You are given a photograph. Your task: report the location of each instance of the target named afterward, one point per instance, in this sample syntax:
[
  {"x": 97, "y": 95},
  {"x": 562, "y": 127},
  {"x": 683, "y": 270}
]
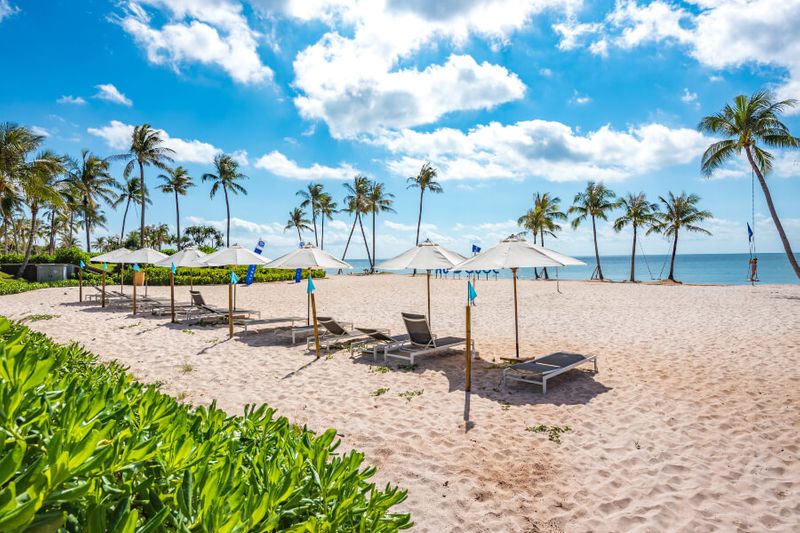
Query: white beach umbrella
[
  {"x": 109, "y": 257},
  {"x": 233, "y": 256},
  {"x": 513, "y": 252},
  {"x": 187, "y": 258},
  {"x": 561, "y": 258},
  {"x": 424, "y": 256},
  {"x": 144, "y": 256}
]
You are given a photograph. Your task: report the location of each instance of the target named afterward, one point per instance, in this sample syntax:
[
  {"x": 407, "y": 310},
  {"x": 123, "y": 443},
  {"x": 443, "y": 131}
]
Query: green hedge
[
  {"x": 214, "y": 276},
  {"x": 86, "y": 448},
  {"x": 17, "y": 286},
  {"x": 72, "y": 256}
]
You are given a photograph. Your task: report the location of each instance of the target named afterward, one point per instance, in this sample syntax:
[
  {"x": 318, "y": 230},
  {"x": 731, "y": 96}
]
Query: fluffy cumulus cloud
[
  {"x": 6, "y": 9},
  {"x": 118, "y": 136},
  {"x": 109, "y": 93},
  {"x": 547, "y": 149},
  {"x": 209, "y": 32},
  {"x": 278, "y": 164}
]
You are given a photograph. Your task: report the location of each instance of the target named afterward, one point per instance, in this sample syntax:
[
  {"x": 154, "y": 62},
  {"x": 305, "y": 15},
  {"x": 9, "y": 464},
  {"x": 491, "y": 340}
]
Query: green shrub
[
  {"x": 214, "y": 275},
  {"x": 17, "y": 286},
  {"x": 86, "y": 448}
]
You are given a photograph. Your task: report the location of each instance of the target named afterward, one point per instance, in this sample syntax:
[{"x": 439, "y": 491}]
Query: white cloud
[
  {"x": 240, "y": 156},
  {"x": 546, "y": 72},
  {"x": 574, "y": 33},
  {"x": 280, "y": 165},
  {"x": 547, "y": 149},
  {"x": 108, "y": 92},
  {"x": 688, "y": 97},
  {"x": 118, "y": 136},
  {"x": 210, "y": 32},
  {"x": 38, "y": 130},
  {"x": 69, "y": 99},
  {"x": 6, "y": 9},
  {"x": 580, "y": 99},
  {"x": 653, "y": 22}
]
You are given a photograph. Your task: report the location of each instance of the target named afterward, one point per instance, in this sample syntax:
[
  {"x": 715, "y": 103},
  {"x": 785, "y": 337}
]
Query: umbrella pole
[
  {"x": 230, "y": 310},
  {"x": 316, "y": 329},
  {"x": 516, "y": 319},
  {"x": 121, "y": 278},
  {"x": 134, "y": 296},
  {"x": 191, "y": 285},
  {"x": 429, "y": 298},
  {"x": 172, "y": 295},
  {"x": 468, "y": 384},
  {"x": 80, "y": 284},
  {"x": 308, "y": 310},
  {"x": 103, "y": 303}
]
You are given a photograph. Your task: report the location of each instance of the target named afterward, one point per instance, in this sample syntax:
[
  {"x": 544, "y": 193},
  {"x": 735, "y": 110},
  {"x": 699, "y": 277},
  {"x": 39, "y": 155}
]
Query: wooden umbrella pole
[
  {"x": 134, "y": 295},
  {"x": 468, "y": 385},
  {"x": 191, "y": 284},
  {"x": 429, "y": 298},
  {"x": 516, "y": 312},
  {"x": 80, "y": 284},
  {"x": 316, "y": 330},
  {"x": 121, "y": 277},
  {"x": 230, "y": 310},
  {"x": 308, "y": 310},
  {"x": 172, "y": 294},
  {"x": 103, "y": 297}
]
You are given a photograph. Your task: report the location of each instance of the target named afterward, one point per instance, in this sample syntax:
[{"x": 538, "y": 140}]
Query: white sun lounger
[
  {"x": 422, "y": 341},
  {"x": 540, "y": 370}
]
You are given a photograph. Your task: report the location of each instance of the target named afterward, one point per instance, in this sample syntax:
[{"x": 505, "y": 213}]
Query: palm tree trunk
[
  {"x": 29, "y": 247},
  {"x": 535, "y": 270},
  {"x": 322, "y": 239},
  {"x": 71, "y": 225},
  {"x": 314, "y": 220},
  {"x": 786, "y": 246},
  {"x": 86, "y": 224},
  {"x": 546, "y": 276},
  {"x": 178, "y": 219},
  {"x": 228, "y": 210},
  {"x": 672, "y": 262},
  {"x": 419, "y": 218},
  {"x": 299, "y": 236},
  {"x": 51, "y": 246},
  {"x": 364, "y": 234},
  {"x": 124, "y": 216},
  {"x": 633, "y": 254},
  {"x": 596, "y": 251},
  {"x": 346, "y": 246},
  {"x": 374, "y": 257},
  {"x": 144, "y": 195}
]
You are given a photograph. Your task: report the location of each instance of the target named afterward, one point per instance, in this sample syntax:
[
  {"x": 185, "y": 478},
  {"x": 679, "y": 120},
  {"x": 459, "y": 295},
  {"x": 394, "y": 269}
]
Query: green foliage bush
[
  {"x": 17, "y": 286},
  {"x": 214, "y": 275},
  {"x": 86, "y": 448}
]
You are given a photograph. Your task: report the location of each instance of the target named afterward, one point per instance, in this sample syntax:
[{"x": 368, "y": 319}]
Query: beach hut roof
[
  {"x": 424, "y": 256},
  {"x": 512, "y": 252},
  {"x": 309, "y": 256},
  {"x": 144, "y": 256},
  {"x": 233, "y": 256},
  {"x": 111, "y": 257},
  {"x": 187, "y": 258}
]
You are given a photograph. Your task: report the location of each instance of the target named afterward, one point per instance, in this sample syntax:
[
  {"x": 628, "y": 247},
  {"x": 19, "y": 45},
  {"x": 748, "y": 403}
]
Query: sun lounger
[
  {"x": 540, "y": 370},
  {"x": 252, "y": 322},
  {"x": 335, "y": 333},
  {"x": 297, "y": 331},
  {"x": 204, "y": 311},
  {"x": 422, "y": 342},
  {"x": 379, "y": 341}
]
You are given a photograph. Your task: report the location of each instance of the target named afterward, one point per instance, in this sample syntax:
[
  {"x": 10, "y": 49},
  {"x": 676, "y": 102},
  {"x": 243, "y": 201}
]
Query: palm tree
[
  {"x": 378, "y": 201},
  {"x": 595, "y": 202},
  {"x": 638, "y": 212},
  {"x": 131, "y": 192},
  {"x": 147, "y": 148},
  {"x": 40, "y": 185},
  {"x": 157, "y": 235},
  {"x": 746, "y": 124},
  {"x": 356, "y": 201},
  {"x": 16, "y": 143},
  {"x": 227, "y": 178},
  {"x": 92, "y": 218},
  {"x": 298, "y": 220},
  {"x": 177, "y": 181},
  {"x": 547, "y": 213},
  {"x": 679, "y": 212},
  {"x": 327, "y": 208},
  {"x": 311, "y": 198},
  {"x": 425, "y": 180},
  {"x": 91, "y": 179}
]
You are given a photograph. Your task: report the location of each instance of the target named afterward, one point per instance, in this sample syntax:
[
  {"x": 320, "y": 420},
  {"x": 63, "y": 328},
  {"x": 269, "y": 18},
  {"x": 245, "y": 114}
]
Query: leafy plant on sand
[
  {"x": 379, "y": 392},
  {"x": 86, "y": 448},
  {"x": 553, "y": 432},
  {"x": 411, "y": 394}
]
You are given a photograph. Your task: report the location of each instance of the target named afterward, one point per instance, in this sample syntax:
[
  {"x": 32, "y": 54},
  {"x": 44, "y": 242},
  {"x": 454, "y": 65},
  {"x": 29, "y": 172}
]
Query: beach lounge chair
[
  {"x": 335, "y": 334},
  {"x": 540, "y": 370},
  {"x": 205, "y": 312},
  {"x": 253, "y": 322},
  {"x": 379, "y": 341},
  {"x": 422, "y": 342}
]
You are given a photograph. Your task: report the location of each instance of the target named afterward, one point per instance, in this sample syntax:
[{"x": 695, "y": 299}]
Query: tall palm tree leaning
[
  {"x": 679, "y": 212},
  {"x": 751, "y": 122},
  {"x": 638, "y": 212},
  {"x": 147, "y": 148},
  {"x": 227, "y": 178},
  {"x": 176, "y": 181},
  {"x": 356, "y": 204},
  {"x": 92, "y": 181},
  {"x": 298, "y": 221},
  {"x": 311, "y": 196},
  {"x": 327, "y": 208},
  {"x": 130, "y": 192},
  {"x": 424, "y": 181},
  {"x": 595, "y": 202},
  {"x": 378, "y": 201}
]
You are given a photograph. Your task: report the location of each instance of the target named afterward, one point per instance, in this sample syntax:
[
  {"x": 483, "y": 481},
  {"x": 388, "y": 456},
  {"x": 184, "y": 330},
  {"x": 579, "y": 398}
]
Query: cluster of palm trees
[{"x": 597, "y": 202}]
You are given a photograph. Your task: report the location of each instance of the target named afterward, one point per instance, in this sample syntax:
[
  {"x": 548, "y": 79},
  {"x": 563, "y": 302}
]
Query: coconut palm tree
[
  {"x": 680, "y": 212},
  {"x": 378, "y": 201},
  {"x": 638, "y": 212},
  {"x": 91, "y": 179},
  {"x": 595, "y": 203},
  {"x": 16, "y": 143},
  {"x": 147, "y": 148},
  {"x": 747, "y": 125},
  {"x": 92, "y": 217},
  {"x": 547, "y": 214},
  {"x": 157, "y": 234},
  {"x": 424, "y": 181},
  {"x": 356, "y": 202},
  {"x": 327, "y": 208},
  {"x": 177, "y": 181},
  {"x": 298, "y": 221},
  {"x": 311, "y": 196},
  {"x": 130, "y": 192},
  {"x": 40, "y": 186},
  {"x": 227, "y": 178}
]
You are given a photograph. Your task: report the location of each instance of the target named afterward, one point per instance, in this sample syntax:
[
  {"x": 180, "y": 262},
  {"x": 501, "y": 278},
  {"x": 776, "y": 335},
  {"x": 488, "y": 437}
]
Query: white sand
[{"x": 691, "y": 424}]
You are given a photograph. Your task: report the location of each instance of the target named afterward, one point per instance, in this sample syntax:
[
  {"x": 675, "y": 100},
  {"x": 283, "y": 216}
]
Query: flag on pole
[
  {"x": 105, "y": 266},
  {"x": 310, "y": 288},
  {"x": 298, "y": 275},
  {"x": 476, "y": 249},
  {"x": 251, "y": 271},
  {"x": 174, "y": 270},
  {"x": 83, "y": 265},
  {"x": 234, "y": 278},
  {"x": 749, "y": 233},
  {"x": 471, "y": 294},
  {"x": 136, "y": 267}
]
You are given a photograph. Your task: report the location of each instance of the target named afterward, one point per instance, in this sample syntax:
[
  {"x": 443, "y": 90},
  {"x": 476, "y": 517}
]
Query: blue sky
[{"x": 504, "y": 97}]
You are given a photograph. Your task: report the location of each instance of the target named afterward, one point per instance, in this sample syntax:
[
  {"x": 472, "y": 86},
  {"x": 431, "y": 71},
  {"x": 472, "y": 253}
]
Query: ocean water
[{"x": 727, "y": 269}]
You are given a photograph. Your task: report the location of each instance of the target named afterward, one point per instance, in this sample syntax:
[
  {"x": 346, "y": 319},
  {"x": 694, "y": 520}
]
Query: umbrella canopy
[
  {"x": 111, "y": 257},
  {"x": 233, "y": 256},
  {"x": 144, "y": 256},
  {"x": 424, "y": 256},
  {"x": 561, "y": 258},
  {"x": 187, "y": 258},
  {"x": 513, "y": 252},
  {"x": 309, "y": 256}
]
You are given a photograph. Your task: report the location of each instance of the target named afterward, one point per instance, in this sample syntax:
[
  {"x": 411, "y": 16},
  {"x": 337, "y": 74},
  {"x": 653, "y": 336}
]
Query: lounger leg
[
  {"x": 544, "y": 385},
  {"x": 595, "y": 366}
]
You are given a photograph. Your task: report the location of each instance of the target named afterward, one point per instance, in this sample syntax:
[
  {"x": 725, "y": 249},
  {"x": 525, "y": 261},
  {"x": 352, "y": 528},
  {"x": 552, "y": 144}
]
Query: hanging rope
[
  {"x": 646, "y": 262},
  {"x": 752, "y": 263}
]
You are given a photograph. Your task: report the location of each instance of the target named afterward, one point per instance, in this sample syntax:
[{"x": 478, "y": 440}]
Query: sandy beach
[{"x": 691, "y": 423}]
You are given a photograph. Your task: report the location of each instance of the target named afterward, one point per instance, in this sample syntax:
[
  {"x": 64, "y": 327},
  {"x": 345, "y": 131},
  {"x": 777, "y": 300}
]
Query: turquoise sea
[{"x": 729, "y": 269}]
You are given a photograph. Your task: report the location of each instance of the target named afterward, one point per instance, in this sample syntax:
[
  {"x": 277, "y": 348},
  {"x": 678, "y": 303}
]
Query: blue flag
[
  {"x": 471, "y": 294},
  {"x": 136, "y": 267},
  {"x": 251, "y": 271},
  {"x": 298, "y": 275},
  {"x": 311, "y": 288},
  {"x": 234, "y": 278},
  {"x": 105, "y": 266},
  {"x": 749, "y": 233},
  {"x": 476, "y": 249},
  {"x": 83, "y": 265},
  {"x": 174, "y": 270}
]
